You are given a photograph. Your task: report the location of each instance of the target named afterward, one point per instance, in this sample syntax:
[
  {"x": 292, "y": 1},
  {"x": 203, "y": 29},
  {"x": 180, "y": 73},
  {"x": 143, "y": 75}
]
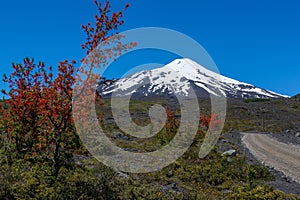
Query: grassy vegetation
[
  {"x": 214, "y": 177},
  {"x": 276, "y": 115}
]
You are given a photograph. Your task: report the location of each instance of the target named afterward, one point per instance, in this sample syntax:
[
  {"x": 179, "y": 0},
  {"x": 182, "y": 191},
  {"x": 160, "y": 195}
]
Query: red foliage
[
  {"x": 38, "y": 113},
  {"x": 38, "y": 116},
  {"x": 104, "y": 27},
  {"x": 171, "y": 121},
  {"x": 211, "y": 120},
  {"x": 171, "y": 126}
]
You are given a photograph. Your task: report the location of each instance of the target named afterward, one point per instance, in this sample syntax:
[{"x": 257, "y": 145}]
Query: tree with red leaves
[{"x": 37, "y": 118}]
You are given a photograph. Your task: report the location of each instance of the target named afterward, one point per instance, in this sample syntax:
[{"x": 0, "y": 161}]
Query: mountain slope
[{"x": 179, "y": 77}]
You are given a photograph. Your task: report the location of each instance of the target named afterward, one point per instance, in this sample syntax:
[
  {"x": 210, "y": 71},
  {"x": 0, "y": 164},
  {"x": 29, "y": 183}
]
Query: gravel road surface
[{"x": 280, "y": 156}]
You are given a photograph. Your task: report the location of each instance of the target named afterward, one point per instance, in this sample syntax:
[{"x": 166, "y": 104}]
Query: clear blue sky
[{"x": 255, "y": 41}]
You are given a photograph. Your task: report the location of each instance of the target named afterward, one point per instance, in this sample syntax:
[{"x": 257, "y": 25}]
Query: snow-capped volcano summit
[{"x": 179, "y": 77}]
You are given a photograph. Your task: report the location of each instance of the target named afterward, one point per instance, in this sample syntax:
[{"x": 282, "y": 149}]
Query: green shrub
[{"x": 24, "y": 180}]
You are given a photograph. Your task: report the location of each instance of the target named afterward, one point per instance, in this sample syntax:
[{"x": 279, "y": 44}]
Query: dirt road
[{"x": 282, "y": 157}]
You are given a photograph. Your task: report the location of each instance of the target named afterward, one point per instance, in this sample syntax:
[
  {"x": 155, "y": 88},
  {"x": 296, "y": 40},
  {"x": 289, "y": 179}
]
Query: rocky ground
[{"x": 288, "y": 137}]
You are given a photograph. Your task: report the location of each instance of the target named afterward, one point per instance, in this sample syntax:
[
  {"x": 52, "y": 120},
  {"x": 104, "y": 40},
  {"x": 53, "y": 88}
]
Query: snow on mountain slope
[{"x": 179, "y": 77}]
